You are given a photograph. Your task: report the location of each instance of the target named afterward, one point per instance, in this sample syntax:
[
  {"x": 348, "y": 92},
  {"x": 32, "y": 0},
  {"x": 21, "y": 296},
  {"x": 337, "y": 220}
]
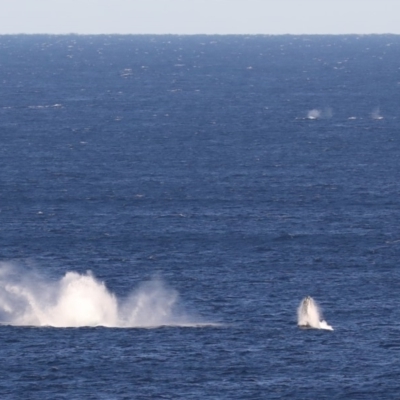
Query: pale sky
[{"x": 200, "y": 16}]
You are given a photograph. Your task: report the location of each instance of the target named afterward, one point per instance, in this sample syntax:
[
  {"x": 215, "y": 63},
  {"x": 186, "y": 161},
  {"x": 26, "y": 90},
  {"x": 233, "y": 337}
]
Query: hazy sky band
[{"x": 200, "y": 16}]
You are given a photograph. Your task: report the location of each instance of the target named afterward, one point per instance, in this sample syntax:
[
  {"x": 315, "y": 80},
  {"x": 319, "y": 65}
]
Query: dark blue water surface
[{"x": 245, "y": 172}]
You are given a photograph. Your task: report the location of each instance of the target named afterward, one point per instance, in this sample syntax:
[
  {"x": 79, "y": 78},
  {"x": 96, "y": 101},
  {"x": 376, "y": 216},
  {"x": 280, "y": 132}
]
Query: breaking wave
[{"x": 78, "y": 300}]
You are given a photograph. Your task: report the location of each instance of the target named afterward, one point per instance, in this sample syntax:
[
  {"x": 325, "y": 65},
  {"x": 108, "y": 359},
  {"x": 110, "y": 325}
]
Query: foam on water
[
  {"x": 309, "y": 316},
  {"x": 82, "y": 300}
]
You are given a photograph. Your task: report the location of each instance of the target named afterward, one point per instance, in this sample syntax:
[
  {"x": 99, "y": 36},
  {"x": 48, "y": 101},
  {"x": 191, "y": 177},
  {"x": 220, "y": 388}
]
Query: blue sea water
[{"x": 209, "y": 184}]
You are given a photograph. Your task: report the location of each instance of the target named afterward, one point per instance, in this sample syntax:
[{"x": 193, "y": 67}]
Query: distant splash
[
  {"x": 319, "y": 114},
  {"x": 308, "y": 315},
  {"x": 376, "y": 114},
  {"x": 78, "y": 300},
  {"x": 314, "y": 114}
]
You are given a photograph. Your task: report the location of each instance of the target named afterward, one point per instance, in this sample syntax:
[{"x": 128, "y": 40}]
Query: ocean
[{"x": 167, "y": 202}]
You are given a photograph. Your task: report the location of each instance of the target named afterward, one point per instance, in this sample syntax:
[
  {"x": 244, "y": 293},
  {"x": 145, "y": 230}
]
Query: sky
[{"x": 200, "y": 16}]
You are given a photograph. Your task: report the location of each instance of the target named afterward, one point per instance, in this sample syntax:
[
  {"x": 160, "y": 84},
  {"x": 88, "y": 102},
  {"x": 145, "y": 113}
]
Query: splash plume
[
  {"x": 82, "y": 300},
  {"x": 308, "y": 315}
]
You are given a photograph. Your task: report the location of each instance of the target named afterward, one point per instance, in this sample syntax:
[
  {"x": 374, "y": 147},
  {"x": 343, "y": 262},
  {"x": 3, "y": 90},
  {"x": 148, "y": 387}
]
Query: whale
[{"x": 308, "y": 315}]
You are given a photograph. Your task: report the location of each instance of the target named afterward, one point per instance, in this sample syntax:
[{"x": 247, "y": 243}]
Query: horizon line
[{"x": 197, "y": 34}]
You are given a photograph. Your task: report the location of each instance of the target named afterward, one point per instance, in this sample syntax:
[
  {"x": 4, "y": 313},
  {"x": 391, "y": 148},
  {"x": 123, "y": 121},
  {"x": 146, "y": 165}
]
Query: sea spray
[
  {"x": 319, "y": 114},
  {"x": 82, "y": 300},
  {"x": 314, "y": 114},
  {"x": 151, "y": 305},
  {"x": 376, "y": 114},
  {"x": 309, "y": 315}
]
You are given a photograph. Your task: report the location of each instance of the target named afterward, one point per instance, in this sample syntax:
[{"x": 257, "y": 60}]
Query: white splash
[
  {"x": 308, "y": 315},
  {"x": 376, "y": 114},
  {"x": 81, "y": 300},
  {"x": 314, "y": 114}
]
